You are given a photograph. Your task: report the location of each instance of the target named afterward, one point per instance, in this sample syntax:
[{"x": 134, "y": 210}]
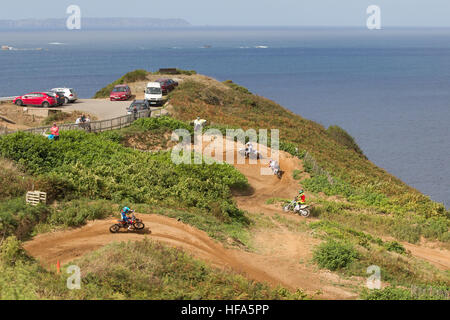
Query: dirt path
[
  {"x": 440, "y": 258},
  {"x": 282, "y": 256},
  {"x": 68, "y": 245}
]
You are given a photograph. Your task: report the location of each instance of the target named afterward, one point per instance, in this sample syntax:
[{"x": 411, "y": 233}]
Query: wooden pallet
[{"x": 36, "y": 197}]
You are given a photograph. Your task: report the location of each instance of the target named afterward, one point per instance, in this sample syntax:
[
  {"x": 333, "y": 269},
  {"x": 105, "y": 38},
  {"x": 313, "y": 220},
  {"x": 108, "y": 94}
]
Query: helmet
[{"x": 300, "y": 191}]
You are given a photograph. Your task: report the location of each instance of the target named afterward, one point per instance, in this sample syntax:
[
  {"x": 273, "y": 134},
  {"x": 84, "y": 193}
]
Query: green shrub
[
  {"x": 56, "y": 117},
  {"x": 395, "y": 247},
  {"x": 13, "y": 182},
  {"x": 78, "y": 212},
  {"x": 425, "y": 292},
  {"x": 388, "y": 293},
  {"x": 237, "y": 87},
  {"x": 11, "y": 252},
  {"x": 165, "y": 122},
  {"x": 342, "y": 137},
  {"x": 321, "y": 183},
  {"x": 186, "y": 72},
  {"x": 334, "y": 255},
  {"x": 17, "y": 218},
  {"x": 93, "y": 166},
  {"x": 292, "y": 149},
  {"x": 296, "y": 174}
]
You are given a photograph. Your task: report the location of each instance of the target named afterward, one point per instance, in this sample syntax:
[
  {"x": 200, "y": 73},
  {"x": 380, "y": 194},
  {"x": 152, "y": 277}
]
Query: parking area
[{"x": 102, "y": 108}]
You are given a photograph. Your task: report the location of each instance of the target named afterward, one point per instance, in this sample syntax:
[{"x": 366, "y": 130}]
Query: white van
[{"x": 153, "y": 93}]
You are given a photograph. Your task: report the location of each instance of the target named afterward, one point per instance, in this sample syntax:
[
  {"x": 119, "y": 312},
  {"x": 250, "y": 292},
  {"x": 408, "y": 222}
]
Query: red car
[
  {"x": 42, "y": 99},
  {"x": 120, "y": 92},
  {"x": 166, "y": 85}
]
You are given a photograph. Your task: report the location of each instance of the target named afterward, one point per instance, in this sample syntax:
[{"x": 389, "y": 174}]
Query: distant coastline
[{"x": 93, "y": 24}]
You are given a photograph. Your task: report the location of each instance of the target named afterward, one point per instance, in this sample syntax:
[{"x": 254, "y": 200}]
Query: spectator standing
[{"x": 88, "y": 123}]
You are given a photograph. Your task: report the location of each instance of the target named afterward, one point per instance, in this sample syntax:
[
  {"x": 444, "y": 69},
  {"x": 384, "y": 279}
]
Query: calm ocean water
[{"x": 390, "y": 89}]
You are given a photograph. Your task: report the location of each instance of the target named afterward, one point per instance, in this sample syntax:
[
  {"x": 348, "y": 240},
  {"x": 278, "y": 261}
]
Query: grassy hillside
[
  {"x": 133, "y": 270},
  {"x": 335, "y": 163}
]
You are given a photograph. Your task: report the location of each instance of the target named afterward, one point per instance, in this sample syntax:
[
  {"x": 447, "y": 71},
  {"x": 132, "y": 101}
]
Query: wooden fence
[{"x": 96, "y": 126}]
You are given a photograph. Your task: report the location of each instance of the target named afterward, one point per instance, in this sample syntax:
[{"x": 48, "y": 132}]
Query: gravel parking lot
[{"x": 102, "y": 108}]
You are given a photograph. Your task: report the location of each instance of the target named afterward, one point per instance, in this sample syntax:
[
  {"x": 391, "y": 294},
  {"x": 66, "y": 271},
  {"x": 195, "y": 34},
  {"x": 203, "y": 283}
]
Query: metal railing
[{"x": 95, "y": 126}]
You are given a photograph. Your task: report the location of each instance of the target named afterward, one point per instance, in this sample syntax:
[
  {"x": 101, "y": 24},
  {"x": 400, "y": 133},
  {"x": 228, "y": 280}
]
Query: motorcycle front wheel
[{"x": 139, "y": 226}]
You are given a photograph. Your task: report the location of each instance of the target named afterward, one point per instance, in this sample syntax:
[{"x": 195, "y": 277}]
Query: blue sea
[{"x": 390, "y": 89}]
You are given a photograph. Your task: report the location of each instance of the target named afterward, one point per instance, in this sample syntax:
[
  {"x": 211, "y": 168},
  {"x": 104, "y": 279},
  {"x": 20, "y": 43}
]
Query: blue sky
[{"x": 245, "y": 12}]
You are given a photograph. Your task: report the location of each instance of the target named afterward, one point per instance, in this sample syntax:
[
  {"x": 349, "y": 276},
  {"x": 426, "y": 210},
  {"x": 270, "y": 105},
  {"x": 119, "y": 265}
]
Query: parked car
[
  {"x": 120, "y": 92},
  {"x": 153, "y": 93},
  {"x": 41, "y": 99},
  {"x": 60, "y": 99},
  {"x": 69, "y": 94},
  {"x": 140, "y": 105},
  {"x": 174, "y": 83},
  {"x": 166, "y": 85}
]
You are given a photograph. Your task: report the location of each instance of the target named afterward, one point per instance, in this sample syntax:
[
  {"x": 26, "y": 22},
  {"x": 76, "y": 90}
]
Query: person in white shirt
[
  {"x": 198, "y": 124},
  {"x": 274, "y": 166}
]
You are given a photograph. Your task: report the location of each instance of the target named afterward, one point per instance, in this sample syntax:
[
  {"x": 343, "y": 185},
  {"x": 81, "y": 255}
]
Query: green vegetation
[
  {"x": 333, "y": 149},
  {"x": 334, "y": 255},
  {"x": 296, "y": 174},
  {"x": 22, "y": 220},
  {"x": 64, "y": 117},
  {"x": 236, "y": 87},
  {"x": 56, "y": 117},
  {"x": 95, "y": 167},
  {"x": 415, "y": 293},
  {"x": 13, "y": 181},
  {"x": 133, "y": 270},
  {"x": 404, "y": 227},
  {"x": 133, "y": 76},
  {"x": 148, "y": 133},
  {"x": 342, "y": 137},
  {"x": 180, "y": 71},
  {"x": 187, "y": 72},
  {"x": 350, "y": 252}
]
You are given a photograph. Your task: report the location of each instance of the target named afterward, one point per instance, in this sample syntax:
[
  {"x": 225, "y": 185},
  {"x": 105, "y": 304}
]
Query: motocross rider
[
  {"x": 274, "y": 165},
  {"x": 300, "y": 199},
  {"x": 124, "y": 213},
  {"x": 248, "y": 149}
]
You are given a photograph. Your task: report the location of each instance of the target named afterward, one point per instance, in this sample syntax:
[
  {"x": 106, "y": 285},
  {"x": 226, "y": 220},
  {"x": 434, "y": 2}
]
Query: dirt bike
[
  {"x": 136, "y": 224},
  {"x": 254, "y": 154},
  {"x": 277, "y": 172},
  {"x": 303, "y": 210}
]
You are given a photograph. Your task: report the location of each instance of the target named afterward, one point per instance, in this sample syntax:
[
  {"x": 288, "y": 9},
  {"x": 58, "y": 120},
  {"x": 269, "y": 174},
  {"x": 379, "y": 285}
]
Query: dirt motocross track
[{"x": 278, "y": 251}]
